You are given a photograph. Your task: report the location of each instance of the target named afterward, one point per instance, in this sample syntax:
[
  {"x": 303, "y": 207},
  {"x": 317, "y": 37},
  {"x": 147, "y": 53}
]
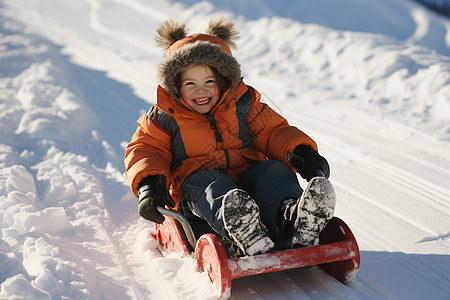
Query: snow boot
[
  {"x": 307, "y": 216},
  {"x": 243, "y": 224}
]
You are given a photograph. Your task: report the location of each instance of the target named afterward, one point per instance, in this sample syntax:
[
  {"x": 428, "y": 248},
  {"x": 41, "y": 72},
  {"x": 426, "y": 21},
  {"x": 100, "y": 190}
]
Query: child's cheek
[{"x": 185, "y": 94}]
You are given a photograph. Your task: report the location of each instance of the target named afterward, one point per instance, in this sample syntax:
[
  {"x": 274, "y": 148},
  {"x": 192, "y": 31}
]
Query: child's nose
[{"x": 202, "y": 89}]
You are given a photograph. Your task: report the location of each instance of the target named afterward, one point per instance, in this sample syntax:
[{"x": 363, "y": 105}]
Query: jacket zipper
[
  {"x": 212, "y": 122},
  {"x": 219, "y": 139},
  {"x": 213, "y": 126}
]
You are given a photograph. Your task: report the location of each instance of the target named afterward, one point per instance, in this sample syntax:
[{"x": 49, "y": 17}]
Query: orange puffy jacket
[{"x": 239, "y": 133}]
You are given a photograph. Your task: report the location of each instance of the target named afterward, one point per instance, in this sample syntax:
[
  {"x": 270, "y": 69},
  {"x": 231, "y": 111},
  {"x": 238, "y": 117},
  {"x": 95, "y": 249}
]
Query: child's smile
[
  {"x": 202, "y": 100},
  {"x": 199, "y": 88}
]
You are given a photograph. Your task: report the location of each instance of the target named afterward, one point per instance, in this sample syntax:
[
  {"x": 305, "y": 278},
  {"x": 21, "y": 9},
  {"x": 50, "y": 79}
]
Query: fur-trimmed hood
[{"x": 183, "y": 52}]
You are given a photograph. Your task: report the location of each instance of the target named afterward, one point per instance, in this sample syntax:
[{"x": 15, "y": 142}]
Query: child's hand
[
  {"x": 153, "y": 193},
  {"x": 307, "y": 160}
]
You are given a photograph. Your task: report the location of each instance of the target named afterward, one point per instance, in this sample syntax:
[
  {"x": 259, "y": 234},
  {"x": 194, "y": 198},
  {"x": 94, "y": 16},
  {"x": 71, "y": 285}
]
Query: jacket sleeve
[
  {"x": 273, "y": 136},
  {"x": 148, "y": 153}
]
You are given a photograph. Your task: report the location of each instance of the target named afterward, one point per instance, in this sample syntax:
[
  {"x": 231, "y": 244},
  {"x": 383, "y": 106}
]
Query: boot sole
[
  {"x": 243, "y": 224},
  {"x": 315, "y": 210}
]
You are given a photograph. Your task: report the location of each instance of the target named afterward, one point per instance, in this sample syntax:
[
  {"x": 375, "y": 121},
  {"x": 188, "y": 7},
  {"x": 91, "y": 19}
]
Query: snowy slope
[{"x": 368, "y": 80}]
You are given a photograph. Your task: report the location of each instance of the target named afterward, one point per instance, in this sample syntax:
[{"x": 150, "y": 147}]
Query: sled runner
[{"x": 337, "y": 252}]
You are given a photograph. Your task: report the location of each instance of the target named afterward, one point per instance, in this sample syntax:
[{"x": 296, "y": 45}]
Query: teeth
[{"x": 202, "y": 100}]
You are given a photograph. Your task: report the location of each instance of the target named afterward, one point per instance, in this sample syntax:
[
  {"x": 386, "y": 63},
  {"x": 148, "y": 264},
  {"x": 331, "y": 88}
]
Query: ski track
[
  {"x": 392, "y": 176},
  {"x": 396, "y": 176}
]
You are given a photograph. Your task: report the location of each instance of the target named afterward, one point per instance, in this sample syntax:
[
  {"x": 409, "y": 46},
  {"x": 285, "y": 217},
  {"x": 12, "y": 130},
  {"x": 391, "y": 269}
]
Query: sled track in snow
[
  {"x": 123, "y": 252},
  {"x": 386, "y": 209},
  {"x": 326, "y": 124},
  {"x": 291, "y": 284},
  {"x": 400, "y": 177},
  {"x": 435, "y": 194},
  {"x": 136, "y": 287}
]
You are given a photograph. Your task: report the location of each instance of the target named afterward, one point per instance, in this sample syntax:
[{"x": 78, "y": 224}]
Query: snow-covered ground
[{"x": 368, "y": 80}]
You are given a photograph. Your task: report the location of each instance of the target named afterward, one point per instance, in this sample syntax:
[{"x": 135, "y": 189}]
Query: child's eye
[
  {"x": 189, "y": 84},
  {"x": 210, "y": 83}
]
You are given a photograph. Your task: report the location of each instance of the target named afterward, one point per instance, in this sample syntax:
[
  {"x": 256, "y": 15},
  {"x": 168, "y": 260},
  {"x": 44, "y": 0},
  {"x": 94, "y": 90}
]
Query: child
[{"x": 227, "y": 158}]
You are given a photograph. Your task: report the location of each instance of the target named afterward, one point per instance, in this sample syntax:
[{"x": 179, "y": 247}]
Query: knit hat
[{"x": 211, "y": 49}]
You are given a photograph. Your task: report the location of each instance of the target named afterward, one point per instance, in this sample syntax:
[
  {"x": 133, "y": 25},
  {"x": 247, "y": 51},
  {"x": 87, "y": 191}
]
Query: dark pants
[{"x": 269, "y": 183}]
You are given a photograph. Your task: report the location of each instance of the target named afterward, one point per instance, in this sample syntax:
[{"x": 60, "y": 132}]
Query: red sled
[{"x": 337, "y": 252}]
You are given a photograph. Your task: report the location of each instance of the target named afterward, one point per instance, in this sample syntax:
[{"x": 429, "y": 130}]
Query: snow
[{"x": 368, "y": 80}]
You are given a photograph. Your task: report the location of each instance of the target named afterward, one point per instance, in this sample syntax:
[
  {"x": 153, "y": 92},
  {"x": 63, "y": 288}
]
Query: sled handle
[{"x": 183, "y": 221}]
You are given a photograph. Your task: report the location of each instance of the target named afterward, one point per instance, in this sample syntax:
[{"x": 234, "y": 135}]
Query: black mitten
[
  {"x": 307, "y": 161},
  {"x": 153, "y": 193}
]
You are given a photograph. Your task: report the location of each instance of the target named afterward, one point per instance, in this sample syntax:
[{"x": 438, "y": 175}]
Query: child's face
[{"x": 199, "y": 88}]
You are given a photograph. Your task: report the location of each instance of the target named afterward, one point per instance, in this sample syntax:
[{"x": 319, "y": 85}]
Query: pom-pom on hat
[{"x": 211, "y": 48}]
